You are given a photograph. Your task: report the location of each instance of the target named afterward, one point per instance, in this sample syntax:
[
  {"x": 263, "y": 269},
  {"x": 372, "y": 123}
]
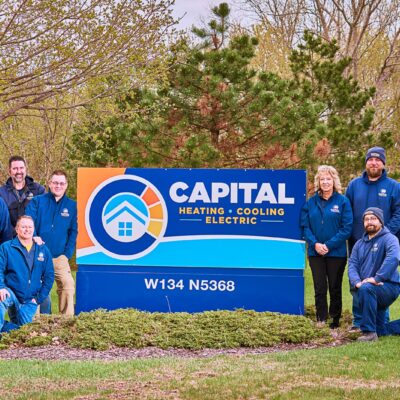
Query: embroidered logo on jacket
[
  {"x": 375, "y": 247},
  {"x": 382, "y": 193},
  {"x": 40, "y": 257},
  {"x": 65, "y": 212},
  {"x": 335, "y": 209}
]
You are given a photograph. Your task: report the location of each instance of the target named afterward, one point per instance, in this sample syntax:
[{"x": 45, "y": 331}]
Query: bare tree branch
[{"x": 50, "y": 47}]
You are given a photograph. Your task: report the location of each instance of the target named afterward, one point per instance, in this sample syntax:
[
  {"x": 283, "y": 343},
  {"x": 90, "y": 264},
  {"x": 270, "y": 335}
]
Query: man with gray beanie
[
  {"x": 373, "y": 274},
  {"x": 373, "y": 189}
]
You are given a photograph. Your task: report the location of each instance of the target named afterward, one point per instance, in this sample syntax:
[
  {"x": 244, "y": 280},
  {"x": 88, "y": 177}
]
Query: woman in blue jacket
[{"x": 326, "y": 220}]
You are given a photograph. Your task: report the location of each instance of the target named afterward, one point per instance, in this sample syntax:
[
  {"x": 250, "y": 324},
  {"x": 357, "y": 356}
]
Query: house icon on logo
[{"x": 125, "y": 218}]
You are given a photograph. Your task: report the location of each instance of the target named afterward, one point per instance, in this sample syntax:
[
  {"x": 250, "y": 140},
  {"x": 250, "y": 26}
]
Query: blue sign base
[{"x": 169, "y": 289}]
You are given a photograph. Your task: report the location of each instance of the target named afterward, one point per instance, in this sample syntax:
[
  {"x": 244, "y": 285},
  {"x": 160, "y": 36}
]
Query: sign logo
[{"x": 126, "y": 216}]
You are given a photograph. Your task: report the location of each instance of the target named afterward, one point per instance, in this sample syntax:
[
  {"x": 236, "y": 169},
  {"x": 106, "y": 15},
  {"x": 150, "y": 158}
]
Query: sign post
[{"x": 190, "y": 239}]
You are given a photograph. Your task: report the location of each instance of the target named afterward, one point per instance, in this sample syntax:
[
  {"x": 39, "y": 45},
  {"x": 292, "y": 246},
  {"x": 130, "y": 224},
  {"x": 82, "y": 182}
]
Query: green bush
[{"x": 131, "y": 328}]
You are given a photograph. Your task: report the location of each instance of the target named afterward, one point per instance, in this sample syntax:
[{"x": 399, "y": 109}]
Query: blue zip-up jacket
[
  {"x": 17, "y": 203},
  {"x": 6, "y": 230},
  {"x": 376, "y": 258},
  {"x": 55, "y": 222},
  {"x": 383, "y": 193},
  {"x": 328, "y": 222},
  {"x": 15, "y": 272}
]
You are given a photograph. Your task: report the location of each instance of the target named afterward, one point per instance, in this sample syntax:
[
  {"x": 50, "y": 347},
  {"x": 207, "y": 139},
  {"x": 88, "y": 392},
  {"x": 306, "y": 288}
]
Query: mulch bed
[{"x": 59, "y": 352}]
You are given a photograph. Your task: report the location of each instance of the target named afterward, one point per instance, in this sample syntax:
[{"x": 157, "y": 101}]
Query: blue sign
[{"x": 144, "y": 220}]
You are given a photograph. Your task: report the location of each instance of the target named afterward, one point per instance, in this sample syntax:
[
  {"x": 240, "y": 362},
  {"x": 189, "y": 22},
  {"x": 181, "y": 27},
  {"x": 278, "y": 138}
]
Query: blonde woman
[{"x": 326, "y": 220}]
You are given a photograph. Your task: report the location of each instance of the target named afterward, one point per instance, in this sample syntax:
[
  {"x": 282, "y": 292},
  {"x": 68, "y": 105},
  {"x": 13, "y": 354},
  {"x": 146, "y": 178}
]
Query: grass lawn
[{"x": 355, "y": 371}]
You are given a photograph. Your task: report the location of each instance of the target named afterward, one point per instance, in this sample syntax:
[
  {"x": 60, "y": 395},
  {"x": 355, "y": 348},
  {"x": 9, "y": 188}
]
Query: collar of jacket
[
  {"x": 366, "y": 179},
  {"x": 321, "y": 199},
  {"x": 51, "y": 196},
  {"x": 16, "y": 243},
  {"x": 28, "y": 182},
  {"x": 383, "y": 231}
]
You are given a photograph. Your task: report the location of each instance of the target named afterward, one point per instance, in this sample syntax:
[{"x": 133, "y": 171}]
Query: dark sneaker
[{"x": 368, "y": 337}]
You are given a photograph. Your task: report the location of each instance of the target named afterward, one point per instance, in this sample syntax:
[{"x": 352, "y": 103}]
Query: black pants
[{"x": 328, "y": 272}]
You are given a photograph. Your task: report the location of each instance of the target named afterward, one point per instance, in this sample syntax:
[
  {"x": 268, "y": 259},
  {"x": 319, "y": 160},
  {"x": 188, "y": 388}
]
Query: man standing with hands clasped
[
  {"x": 55, "y": 217},
  {"x": 373, "y": 275}
]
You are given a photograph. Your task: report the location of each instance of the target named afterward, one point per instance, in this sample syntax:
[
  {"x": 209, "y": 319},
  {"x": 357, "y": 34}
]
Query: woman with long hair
[{"x": 326, "y": 221}]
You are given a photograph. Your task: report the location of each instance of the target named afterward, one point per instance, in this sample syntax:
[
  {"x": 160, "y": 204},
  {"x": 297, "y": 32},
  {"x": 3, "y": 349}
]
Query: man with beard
[
  {"x": 19, "y": 188},
  {"x": 17, "y": 192},
  {"x": 373, "y": 275},
  {"x": 373, "y": 189}
]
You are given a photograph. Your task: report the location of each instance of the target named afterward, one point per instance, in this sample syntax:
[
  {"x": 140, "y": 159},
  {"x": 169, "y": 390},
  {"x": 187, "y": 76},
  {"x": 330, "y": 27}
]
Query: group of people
[
  {"x": 367, "y": 216},
  {"x": 38, "y": 232}
]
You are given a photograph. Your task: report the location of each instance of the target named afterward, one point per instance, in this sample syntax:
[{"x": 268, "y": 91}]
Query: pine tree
[{"x": 217, "y": 111}]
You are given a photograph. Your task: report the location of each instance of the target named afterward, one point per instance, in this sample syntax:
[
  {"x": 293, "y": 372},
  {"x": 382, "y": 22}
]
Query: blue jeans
[
  {"x": 45, "y": 306},
  {"x": 357, "y": 312},
  {"x": 19, "y": 313},
  {"x": 391, "y": 328},
  {"x": 373, "y": 301}
]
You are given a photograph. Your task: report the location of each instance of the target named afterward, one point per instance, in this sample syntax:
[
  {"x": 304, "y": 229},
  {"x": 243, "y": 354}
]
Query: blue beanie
[
  {"x": 374, "y": 211},
  {"x": 377, "y": 152}
]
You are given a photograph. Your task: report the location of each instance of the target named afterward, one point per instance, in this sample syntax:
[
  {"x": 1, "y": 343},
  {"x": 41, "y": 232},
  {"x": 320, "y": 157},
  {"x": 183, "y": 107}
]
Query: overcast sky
[{"x": 196, "y": 9}]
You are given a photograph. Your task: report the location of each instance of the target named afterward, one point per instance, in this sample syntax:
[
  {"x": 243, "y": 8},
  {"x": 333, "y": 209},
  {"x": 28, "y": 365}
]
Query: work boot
[
  {"x": 368, "y": 337},
  {"x": 334, "y": 324}
]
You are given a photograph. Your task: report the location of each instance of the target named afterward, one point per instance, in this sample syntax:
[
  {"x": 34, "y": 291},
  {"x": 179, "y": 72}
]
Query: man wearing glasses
[
  {"x": 373, "y": 275},
  {"x": 55, "y": 218}
]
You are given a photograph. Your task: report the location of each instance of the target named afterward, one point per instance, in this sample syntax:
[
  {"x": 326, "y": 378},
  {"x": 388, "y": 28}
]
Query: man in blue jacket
[
  {"x": 6, "y": 230},
  {"x": 19, "y": 189},
  {"x": 373, "y": 273},
  {"x": 55, "y": 218},
  {"x": 373, "y": 189},
  {"x": 17, "y": 192},
  {"x": 26, "y": 276}
]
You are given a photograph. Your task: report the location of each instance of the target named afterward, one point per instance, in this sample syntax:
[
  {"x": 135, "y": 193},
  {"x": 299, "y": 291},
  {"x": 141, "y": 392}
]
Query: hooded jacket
[
  {"x": 15, "y": 272},
  {"x": 328, "y": 222},
  {"x": 383, "y": 193},
  {"x": 376, "y": 258},
  {"x": 17, "y": 203},
  {"x": 55, "y": 222}
]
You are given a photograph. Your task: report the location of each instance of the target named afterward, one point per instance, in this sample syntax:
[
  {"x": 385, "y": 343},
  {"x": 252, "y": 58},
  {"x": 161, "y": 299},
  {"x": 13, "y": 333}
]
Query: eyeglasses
[
  {"x": 367, "y": 219},
  {"x": 58, "y": 183}
]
